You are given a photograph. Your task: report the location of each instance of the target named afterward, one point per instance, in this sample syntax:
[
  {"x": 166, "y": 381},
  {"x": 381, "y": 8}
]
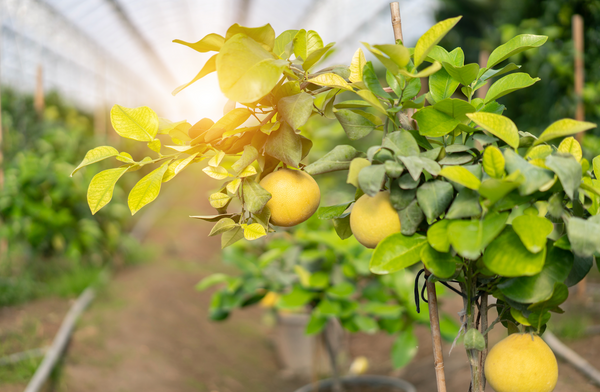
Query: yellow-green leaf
[
  {"x": 303, "y": 275},
  {"x": 138, "y": 124},
  {"x": 433, "y": 68},
  {"x": 498, "y": 125},
  {"x": 219, "y": 200},
  {"x": 228, "y": 122},
  {"x": 211, "y": 42},
  {"x": 564, "y": 127},
  {"x": 218, "y": 173},
  {"x": 254, "y": 231},
  {"x": 539, "y": 152},
  {"x": 248, "y": 171},
  {"x": 461, "y": 176},
  {"x": 356, "y": 166},
  {"x": 397, "y": 53},
  {"x": 96, "y": 155},
  {"x": 246, "y": 71},
  {"x": 147, "y": 189},
  {"x": 357, "y": 65},
  {"x": 216, "y": 160},
  {"x": 165, "y": 125},
  {"x": 264, "y": 35},
  {"x": 222, "y": 226},
  {"x": 493, "y": 162},
  {"x": 209, "y": 67},
  {"x": 234, "y": 185},
  {"x": 154, "y": 145},
  {"x": 125, "y": 157},
  {"x": 571, "y": 146},
  {"x": 431, "y": 38},
  {"x": 368, "y": 96},
  {"x": 176, "y": 166},
  {"x": 306, "y": 42},
  {"x": 330, "y": 80},
  {"x": 596, "y": 165},
  {"x": 101, "y": 187},
  {"x": 179, "y": 134}
]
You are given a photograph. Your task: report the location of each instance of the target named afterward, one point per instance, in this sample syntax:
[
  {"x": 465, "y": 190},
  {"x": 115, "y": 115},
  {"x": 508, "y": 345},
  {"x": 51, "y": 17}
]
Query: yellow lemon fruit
[
  {"x": 521, "y": 363},
  {"x": 295, "y": 196},
  {"x": 373, "y": 218}
]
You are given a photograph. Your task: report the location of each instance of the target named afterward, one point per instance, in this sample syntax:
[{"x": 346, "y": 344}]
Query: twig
[
  {"x": 565, "y": 353},
  {"x": 436, "y": 336},
  {"x": 484, "y": 326},
  {"x": 337, "y": 383}
]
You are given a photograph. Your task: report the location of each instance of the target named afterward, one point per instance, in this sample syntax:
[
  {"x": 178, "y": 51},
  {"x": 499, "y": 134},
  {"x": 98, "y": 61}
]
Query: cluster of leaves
[
  {"x": 311, "y": 268},
  {"x": 44, "y": 217},
  {"x": 518, "y": 219}
]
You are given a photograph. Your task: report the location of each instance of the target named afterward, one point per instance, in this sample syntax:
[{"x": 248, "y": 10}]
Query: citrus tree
[{"x": 456, "y": 185}]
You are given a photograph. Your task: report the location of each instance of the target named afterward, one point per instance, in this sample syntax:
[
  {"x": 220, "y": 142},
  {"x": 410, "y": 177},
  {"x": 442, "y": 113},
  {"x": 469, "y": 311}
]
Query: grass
[
  {"x": 571, "y": 326},
  {"x": 26, "y": 338}
]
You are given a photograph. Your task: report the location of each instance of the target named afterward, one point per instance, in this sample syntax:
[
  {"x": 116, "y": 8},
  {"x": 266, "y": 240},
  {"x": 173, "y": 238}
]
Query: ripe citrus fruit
[
  {"x": 521, "y": 363},
  {"x": 373, "y": 218},
  {"x": 295, "y": 196}
]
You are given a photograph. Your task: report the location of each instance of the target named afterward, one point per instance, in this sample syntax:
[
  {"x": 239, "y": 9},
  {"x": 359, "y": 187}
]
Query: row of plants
[
  {"x": 51, "y": 243},
  {"x": 458, "y": 187}
]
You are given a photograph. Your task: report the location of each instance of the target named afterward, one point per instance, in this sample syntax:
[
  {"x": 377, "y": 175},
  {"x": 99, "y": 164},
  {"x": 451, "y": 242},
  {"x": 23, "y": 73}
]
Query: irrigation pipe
[{"x": 565, "y": 353}]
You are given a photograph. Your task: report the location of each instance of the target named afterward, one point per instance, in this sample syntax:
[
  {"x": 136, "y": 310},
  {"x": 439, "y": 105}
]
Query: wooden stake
[
  {"x": 38, "y": 99},
  {"x": 396, "y": 22},
  {"x": 436, "y": 335},
  {"x": 577, "y": 23}
]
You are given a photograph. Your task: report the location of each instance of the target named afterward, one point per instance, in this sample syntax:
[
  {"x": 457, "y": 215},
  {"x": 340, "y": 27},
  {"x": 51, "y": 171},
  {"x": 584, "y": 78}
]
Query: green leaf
[
  {"x": 571, "y": 146},
  {"x": 255, "y": 196},
  {"x": 337, "y": 159},
  {"x": 296, "y": 109},
  {"x": 431, "y": 38},
  {"x": 434, "y": 197},
  {"x": 442, "y": 265},
  {"x": 442, "y": 85},
  {"x": 397, "y": 252},
  {"x": 342, "y": 227},
  {"x": 285, "y": 145},
  {"x": 315, "y": 56},
  {"x": 415, "y": 166},
  {"x": 533, "y": 231},
  {"x": 331, "y": 80},
  {"x": 568, "y": 171},
  {"x": 147, "y": 189},
  {"x": 402, "y": 143},
  {"x": 176, "y": 166},
  {"x": 357, "y": 65},
  {"x": 493, "y": 162},
  {"x": 596, "y": 163},
  {"x": 306, "y": 42},
  {"x": 508, "y": 84},
  {"x": 397, "y": 53},
  {"x": 581, "y": 267},
  {"x": 559, "y": 295},
  {"x": 249, "y": 155},
  {"x": 465, "y": 74},
  {"x": 341, "y": 290},
  {"x": 372, "y": 82},
  {"x": 474, "y": 340},
  {"x": 356, "y": 166},
  {"x": 432, "y": 69},
  {"x": 209, "y": 67},
  {"x": 366, "y": 324},
  {"x": 372, "y": 99},
  {"x": 434, "y": 123},
  {"x": 456, "y": 108},
  {"x": 388, "y": 63},
  {"x": 332, "y": 212},
  {"x": 490, "y": 73},
  {"x": 513, "y": 46},
  {"x": 355, "y": 125},
  {"x": 264, "y": 35},
  {"x": 282, "y": 41},
  {"x": 210, "y": 43},
  {"x": 583, "y": 236},
  {"x": 296, "y": 298},
  {"x": 212, "y": 280},
  {"x": 96, "y": 155},
  {"x": 246, "y": 71},
  {"x": 461, "y": 176},
  {"x": 562, "y": 128},
  {"x": 101, "y": 187},
  {"x": 535, "y": 177},
  {"x": 410, "y": 218},
  {"x": 222, "y": 226},
  {"x": 231, "y": 237},
  {"x": 139, "y": 124},
  {"x": 437, "y": 236},
  {"x": 315, "y": 324},
  {"x": 539, "y": 287},
  {"x": 405, "y": 348},
  {"x": 507, "y": 256},
  {"x": 466, "y": 204},
  {"x": 499, "y": 126},
  {"x": 470, "y": 238},
  {"x": 401, "y": 198},
  {"x": 370, "y": 179}
]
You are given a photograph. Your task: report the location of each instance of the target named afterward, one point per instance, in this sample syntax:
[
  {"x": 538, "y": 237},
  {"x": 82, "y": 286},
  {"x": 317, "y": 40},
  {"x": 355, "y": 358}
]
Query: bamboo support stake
[
  {"x": 436, "y": 335},
  {"x": 396, "y": 21},
  {"x": 38, "y": 99}
]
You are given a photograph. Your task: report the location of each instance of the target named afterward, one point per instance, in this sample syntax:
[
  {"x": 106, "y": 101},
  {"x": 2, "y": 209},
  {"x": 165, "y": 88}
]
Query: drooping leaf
[
  {"x": 513, "y": 46},
  {"x": 371, "y": 178},
  {"x": 342, "y": 227},
  {"x": 209, "y": 67},
  {"x": 222, "y": 226},
  {"x": 470, "y": 238},
  {"x": 264, "y": 35},
  {"x": 401, "y": 198},
  {"x": 139, "y": 124},
  {"x": 564, "y": 127},
  {"x": 568, "y": 171},
  {"x": 431, "y": 38},
  {"x": 434, "y": 197},
  {"x": 147, "y": 189},
  {"x": 246, "y": 71},
  {"x": 255, "y": 196},
  {"x": 285, "y": 145},
  {"x": 355, "y": 125},
  {"x": 410, "y": 218},
  {"x": 249, "y": 155},
  {"x": 581, "y": 267},
  {"x": 296, "y": 109},
  {"x": 461, "y": 175},
  {"x": 508, "y": 84},
  {"x": 507, "y": 256},
  {"x": 96, "y": 155},
  {"x": 465, "y": 74},
  {"x": 583, "y": 236},
  {"x": 332, "y": 212},
  {"x": 432, "y": 69},
  {"x": 397, "y": 252},
  {"x": 356, "y": 166},
  {"x": 211, "y": 42},
  {"x": 533, "y": 231},
  {"x": 498, "y": 125},
  {"x": 101, "y": 187},
  {"x": 397, "y": 53},
  {"x": 388, "y": 63},
  {"x": 372, "y": 99},
  {"x": 493, "y": 162},
  {"x": 337, "y": 159},
  {"x": 176, "y": 166}
]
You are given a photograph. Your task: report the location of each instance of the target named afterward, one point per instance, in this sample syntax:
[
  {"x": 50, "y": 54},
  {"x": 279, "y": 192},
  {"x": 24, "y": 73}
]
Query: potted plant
[{"x": 456, "y": 186}]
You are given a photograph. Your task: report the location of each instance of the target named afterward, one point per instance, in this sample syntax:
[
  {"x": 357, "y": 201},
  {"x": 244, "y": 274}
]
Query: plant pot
[{"x": 363, "y": 384}]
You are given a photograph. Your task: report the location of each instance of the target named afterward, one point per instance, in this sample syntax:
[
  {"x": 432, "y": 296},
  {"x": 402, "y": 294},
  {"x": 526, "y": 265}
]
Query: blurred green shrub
[{"x": 46, "y": 227}]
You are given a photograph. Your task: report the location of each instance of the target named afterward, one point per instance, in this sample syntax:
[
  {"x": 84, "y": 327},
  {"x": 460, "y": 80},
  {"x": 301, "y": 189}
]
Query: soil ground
[{"x": 148, "y": 330}]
